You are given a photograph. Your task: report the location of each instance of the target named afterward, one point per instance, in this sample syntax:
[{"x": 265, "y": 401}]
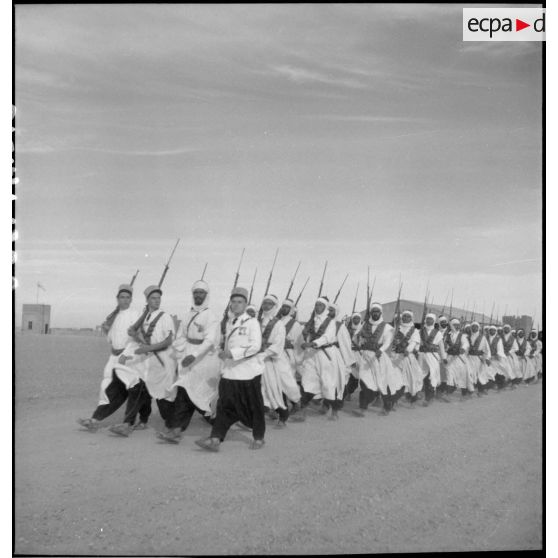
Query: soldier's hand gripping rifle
[
  {"x": 109, "y": 320},
  {"x": 133, "y": 330},
  {"x": 226, "y": 312}
]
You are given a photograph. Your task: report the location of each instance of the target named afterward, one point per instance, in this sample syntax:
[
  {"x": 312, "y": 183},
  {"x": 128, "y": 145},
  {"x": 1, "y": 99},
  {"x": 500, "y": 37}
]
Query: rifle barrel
[
  {"x": 167, "y": 265},
  {"x": 293, "y": 280},
  {"x": 301, "y": 291},
  {"x": 339, "y": 291}
]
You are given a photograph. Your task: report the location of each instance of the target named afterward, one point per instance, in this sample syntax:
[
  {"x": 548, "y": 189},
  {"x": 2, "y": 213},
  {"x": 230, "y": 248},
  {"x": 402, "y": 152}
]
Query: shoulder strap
[{"x": 151, "y": 327}]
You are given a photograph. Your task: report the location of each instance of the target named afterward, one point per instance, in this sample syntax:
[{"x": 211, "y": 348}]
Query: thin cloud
[
  {"x": 303, "y": 75},
  {"x": 368, "y": 118}
]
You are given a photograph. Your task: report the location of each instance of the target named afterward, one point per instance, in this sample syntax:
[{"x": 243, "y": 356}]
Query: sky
[{"x": 364, "y": 135}]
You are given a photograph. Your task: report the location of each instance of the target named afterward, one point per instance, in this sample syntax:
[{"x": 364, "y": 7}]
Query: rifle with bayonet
[
  {"x": 293, "y": 280},
  {"x": 301, "y": 291},
  {"x": 109, "y": 320},
  {"x": 397, "y": 311},
  {"x": 355, "y": 300},
  {"x": 203, "y": 273},
  {"x": 340, "y": 288},
  {"x": 313, "y": 314},
  {"x": 134, "y": 328},
  {"x": 226, "y": 312},
  {"x": 424, "y": 308},
  {"x": 252, "y": 287},
  {"x": 268, "y": 284},
  {"x": 451, "y": 307},
  {"x": 491, "y": 314},
  {"x": 290, "y": 288}
]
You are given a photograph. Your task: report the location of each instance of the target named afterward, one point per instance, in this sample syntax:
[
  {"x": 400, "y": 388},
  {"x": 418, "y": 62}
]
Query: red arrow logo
[{"x": 519, "y": 25}]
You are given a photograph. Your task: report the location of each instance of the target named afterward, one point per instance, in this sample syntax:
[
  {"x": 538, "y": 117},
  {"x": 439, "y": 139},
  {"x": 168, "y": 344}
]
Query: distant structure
[
  {"x": 523, "y": 322},
  {"x": 35, "y": 318}
]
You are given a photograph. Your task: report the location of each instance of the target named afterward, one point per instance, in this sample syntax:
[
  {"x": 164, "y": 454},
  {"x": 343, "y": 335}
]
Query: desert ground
[{"x": 450, "y": 477}]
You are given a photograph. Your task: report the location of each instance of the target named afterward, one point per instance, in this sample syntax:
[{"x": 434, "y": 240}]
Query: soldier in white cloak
[
  {"x": 318, "y": 372},
  {"x": 113, "y": 392},
  {"x": 510, "y": 349},
  {"x": 278, "y": 382},
  {"x": 344, "y": 344},
  {"x": 240, "y": 387},
  {"x": 293, "y": 338},
  {"x": 527, "y": 365},
  {"x": 377, "y": 373},
  {"x": 405, "y": 344},
  {"x": 498, "y": 361},
  {"x": 195, "y": 349},
  {"x": 431, "y": 353},
  {"x": 444, "y": 329},
  {"x": 536, "y": 353},
  {"x": 457, "y": 370},
  {"x": 149, "y": 358},
  {"x": 353, "y": 325},
  {"x": 478, "y": 354}
]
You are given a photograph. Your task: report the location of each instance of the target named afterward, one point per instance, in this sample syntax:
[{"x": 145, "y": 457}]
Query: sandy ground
[{"x": 459, "y": 476}]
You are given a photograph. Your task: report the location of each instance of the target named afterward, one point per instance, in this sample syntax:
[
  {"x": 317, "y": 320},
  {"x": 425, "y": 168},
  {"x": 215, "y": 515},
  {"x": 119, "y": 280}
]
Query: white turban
[
  {"x": 323, "y": 300},
  {"x": 442, "y": 318},
  {"x": 356, "y": 314},
  {"x": 407, "y": 313},
  {"x": 377, "y": 306},
  {"x": 271, "y": 298},
  {"x": 288, "y": 302},
  {"x": 433, "y": 316},
  {"x": 200, "y": 285},
  {"x": 335, "y": 307},
  {"x": 475, "y": 323}
]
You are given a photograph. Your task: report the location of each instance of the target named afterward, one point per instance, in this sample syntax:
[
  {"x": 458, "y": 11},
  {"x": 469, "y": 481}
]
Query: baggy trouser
[
  {"x": 139, "y": 401},
  {"x": 240, "y": 400}
]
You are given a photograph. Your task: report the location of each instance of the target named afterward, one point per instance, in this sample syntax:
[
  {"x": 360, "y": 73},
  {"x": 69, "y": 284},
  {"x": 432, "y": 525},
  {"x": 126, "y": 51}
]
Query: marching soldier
[
  {"x": 536, "y": 353},
  {"x": 498, "y": 360},
  {"x": 404, "y": 347},
  {"x": 456, "y": 367},
  {"x": 293, "y": 337},
  {"x": 240, "y": 387},
  {"x": 344, "y": 356},
  {"x": 318, "y": 371},
  {"x": 524, "y": 349},
  {"x": 150, "y": 359},
  {"x": 277, "y": 375},
  {"x": 195, "y": 349},
  {"x": 431, "y": 353},
  {"x": 377, "y": 373},
  {"x": 510, "y": 349},
  {"x": 114, "y": 392},
  {"x": 353, "y": 325},
  {"x": 479, "y": 355}
]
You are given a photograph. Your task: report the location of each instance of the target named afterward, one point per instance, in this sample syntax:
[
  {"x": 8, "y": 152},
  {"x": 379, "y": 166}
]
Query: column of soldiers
[{"x": 250, "y": 363}]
